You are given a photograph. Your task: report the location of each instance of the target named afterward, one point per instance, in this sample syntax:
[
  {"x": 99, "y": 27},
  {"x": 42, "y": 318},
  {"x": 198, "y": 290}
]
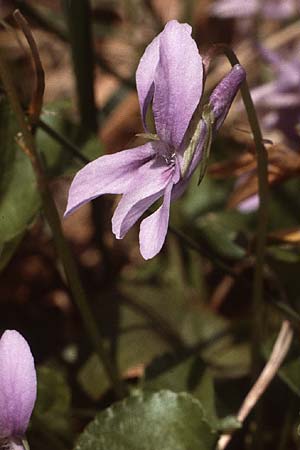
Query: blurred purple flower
[
  {"x": 170, "y": 78},
  {"x": 271, "y": 9},
  {"x": 278, "y": 101},
  {"x": 17, "y": 388}
]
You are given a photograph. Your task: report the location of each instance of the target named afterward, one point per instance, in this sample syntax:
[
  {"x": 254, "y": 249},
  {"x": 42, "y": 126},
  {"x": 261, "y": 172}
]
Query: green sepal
[
  {"x": 191, "y": 148},
  {"x": 148, "y": 136},
  {"x": 209, "y": 119},
  {"x": 206, "y": 119}
]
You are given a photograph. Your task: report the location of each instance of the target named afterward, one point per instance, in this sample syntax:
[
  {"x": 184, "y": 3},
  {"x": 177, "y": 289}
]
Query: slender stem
[
  {"x": 36, "y": 103},
  {"x": 203, "y": 251},
  {"x": 78, "y": 17},
  {"x": 63, "y": 141},
  {"x": 63, "y": 249},
  {"x": 263, "y": 192}
]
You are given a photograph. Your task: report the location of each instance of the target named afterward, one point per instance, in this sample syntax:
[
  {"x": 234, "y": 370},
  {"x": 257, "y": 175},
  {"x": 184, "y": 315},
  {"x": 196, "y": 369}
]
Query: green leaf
[
  {"x": 19, "y": 197},
  {"x": 59, "y": 159},
  {"x": 228, "y": 424},
  {"x": 163, "y": 420},
  {"x": 136, "y": 346},
  {"x": 287, "y": 271},
  {"x": 139, "y": 340},
  {"x": 220, "y": 236},
  {"x": 284, "y": 253},
  {"x": 198, "y": 200},
  {"x": 189, "y": 374},
  {"x": 52, "y": 408},
  {"x": 289, "y": 373},
  {"x": 54, "y": 156},
  {"x": 7, "y": 250}
]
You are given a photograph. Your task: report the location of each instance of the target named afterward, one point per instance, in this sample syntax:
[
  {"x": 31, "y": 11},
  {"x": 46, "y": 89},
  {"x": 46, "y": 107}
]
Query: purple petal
[
  {"x": 269, "y": 96},
  {"x": 129, "y": 210},
  {"x": 224, "y": 93},
  {"x": 17, "y": 384},
  {"x": 286, "y": 69},
  {"x": 178, "y": 83},
  {"x": 145, "y": 72},
  {"x": 109, "y": 174},
  {"x": 261, "y": 94},
  {"x": 147, "y": 186},
  {"x": 154, "y": 228},
  {"x": 145, "y": 76}
]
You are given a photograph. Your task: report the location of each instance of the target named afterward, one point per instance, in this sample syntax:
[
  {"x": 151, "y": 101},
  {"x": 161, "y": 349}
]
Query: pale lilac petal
[
  {"x": 109, "y": 174},
  {"x": 129, "y": 210},
  {"x": 145, "y": 73},
  {"x": 178, "y": 83},
  {"x": 235, "y": 8},
  {"x": 17, "y": 384},
  {"x": 154, "y": 228},
  {"x": 145, "y": 76},
  {"x": 147, "y": 187}
]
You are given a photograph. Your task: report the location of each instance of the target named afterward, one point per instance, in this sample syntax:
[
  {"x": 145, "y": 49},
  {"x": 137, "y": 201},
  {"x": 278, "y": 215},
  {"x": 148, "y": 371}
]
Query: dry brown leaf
[
  {"x": 283, "y": 163},
  {"x": 290, "y": 235},
  {"x": 122, "y": 124}
]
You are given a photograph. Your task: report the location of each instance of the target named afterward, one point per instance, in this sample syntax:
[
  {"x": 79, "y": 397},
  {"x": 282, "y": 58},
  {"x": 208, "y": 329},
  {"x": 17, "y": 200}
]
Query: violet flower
[
  {"x": 170, "y": 77},
  {"x": 278, "y": 101},
  {"x": 17, "y": 388}
]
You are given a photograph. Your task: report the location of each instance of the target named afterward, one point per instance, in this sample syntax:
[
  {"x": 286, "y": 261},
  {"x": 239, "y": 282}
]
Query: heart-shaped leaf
[{"x": 163, "y": 420}]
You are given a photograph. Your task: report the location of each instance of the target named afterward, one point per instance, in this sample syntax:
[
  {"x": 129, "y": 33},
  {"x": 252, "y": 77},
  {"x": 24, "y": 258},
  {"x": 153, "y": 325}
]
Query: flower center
[{"x": 170, "y": 159}]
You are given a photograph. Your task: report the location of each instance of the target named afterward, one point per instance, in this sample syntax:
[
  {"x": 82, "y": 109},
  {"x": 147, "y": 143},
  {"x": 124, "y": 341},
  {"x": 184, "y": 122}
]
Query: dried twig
[
  {"x": 36, "y": 103},
  {"x": 277, "y": 356}
]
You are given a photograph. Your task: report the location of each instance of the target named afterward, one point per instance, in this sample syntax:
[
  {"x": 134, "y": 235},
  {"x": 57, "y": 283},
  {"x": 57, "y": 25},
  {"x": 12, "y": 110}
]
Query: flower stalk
[
  {"x": 263, "y": 192},
  {"x": 78, "y": 18},
  {"x": 61, "y": 244}
]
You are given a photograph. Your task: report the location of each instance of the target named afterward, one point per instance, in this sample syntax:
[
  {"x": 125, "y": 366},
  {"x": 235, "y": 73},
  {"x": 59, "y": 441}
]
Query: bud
[
  {"x": 17, "y": 388},
  {"x": 224, "y": 93}
]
